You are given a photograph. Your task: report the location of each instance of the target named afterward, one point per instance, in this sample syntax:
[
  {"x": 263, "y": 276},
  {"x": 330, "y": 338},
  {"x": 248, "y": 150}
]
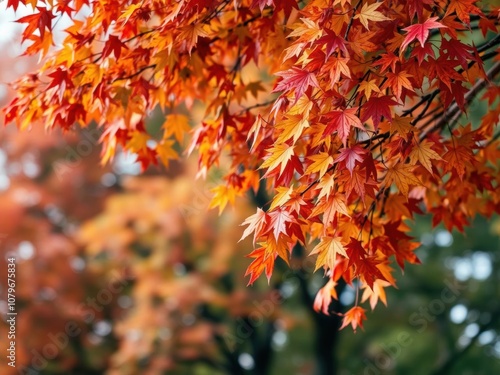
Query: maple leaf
[
  {"x": 457, "y": 158},
  {"x": 308, "y": 31},
  {"x": 92, "y": 75},
  {"x": 422, "y": 52},
  {"x": 417, "y": 7},
  {"x": 279, "y": 218},
  {"x": 362, "y": 42},
  {"x": 376, "y": 108},
  {"x": 420, "y": 31},
  {"x": 402, "y": 175},
  {"x": 40, "y": 21},
  {"x": 113, "y": 46},
  {"x": 354, "y": 317},
  {"x": 254, "y": 88},
  {"x": 327, "y": 250},
  {"x": 370, "y": 13},
  {"x": 342, "y": 121},
  {"x": 333, "y": 204},
  {"x": 324, "y": 297},
  {"x": 222, "y": 195},
  {"x": 365, "y": 265},
  {"x": 402, "y": 125},
  {"x": 262, "y": 3},
  {"x": 296, "y": 79},
  {"x": 368, "y": 87},
  {"x": 176, "y": 125},
  {"x": 190, "y": 34},
  {"x": 445, "y": 71},
  {"x": 281, "y": 246},
  {"x": 257, "y": 223},
  {"x": 335, "y": 66},
  {"x": 280, "y": 155},
  {"x": 463, "y": 9},
  {"x": 333, "y": 42},
  {"x": 292, "y": 127},
  {"x": 165, "y": 151},
  {"x": 263, "y": 261},
  {"x": 405, "y": 252},
  {"x": 375, "y": 294},
  {"x": 320, "y": 164},
  {"x": 423, "y": 152},
  {"x": 326, "y": 185},
  {"x": 349, "y": 156},
  {"x": 282, "y": 197},
  {"x": 357, "y": 182},
  {"x": 398, "y": 81},
  {"x": 63, "y": 6},
  {"x": 61, "y": 80},
  {"x": 387, "y": 60},
  {"x": 13, "y": 3}
]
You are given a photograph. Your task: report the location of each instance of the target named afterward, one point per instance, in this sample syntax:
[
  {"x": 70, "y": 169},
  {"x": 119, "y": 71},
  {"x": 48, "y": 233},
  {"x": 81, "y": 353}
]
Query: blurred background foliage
[{"x": 152, "y": 281}]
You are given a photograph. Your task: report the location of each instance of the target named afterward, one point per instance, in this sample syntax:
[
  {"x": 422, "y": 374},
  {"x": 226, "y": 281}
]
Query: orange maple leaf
[{"x": 354, "y": 317}]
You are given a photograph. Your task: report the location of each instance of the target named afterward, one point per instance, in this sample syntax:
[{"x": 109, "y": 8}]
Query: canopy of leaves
[{"x": 354, "y": 112}]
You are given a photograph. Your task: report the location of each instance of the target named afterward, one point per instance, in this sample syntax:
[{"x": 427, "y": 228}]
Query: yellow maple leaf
[
  {"x": 320, "y": 164},
  {"x": 402, "y": 125},
  {"x": 375, "y": 294},
  {"x": 222, "y": 195},
  {"x": 327, "y": 251},
  {"x": 423, "y": 153},
  {"x": 370, "y": 13},
  {"x": 308, "y": 30},
  {"x": 138, "y": 141},
  {"x": 302, "y": 107},
  {"x": 292, "y": 127},
  {"x": 92, "y": 74},
  {"x": 368, "y": 87},
  {"x": 326, "y": 185},
  {"x": 280, "y": 155},
  {"x": 165, "y": 151},
  {"x": 282, "y": 197},
  {"x": 176, "y": 125},
  {"x": 130, "y": 11},
  {"x": 402, "y": 175},
  {"x": 279, "y": 247}
]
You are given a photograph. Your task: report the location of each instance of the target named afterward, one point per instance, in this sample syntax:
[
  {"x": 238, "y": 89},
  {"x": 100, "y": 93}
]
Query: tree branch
[{"x": 454, "y": 110}]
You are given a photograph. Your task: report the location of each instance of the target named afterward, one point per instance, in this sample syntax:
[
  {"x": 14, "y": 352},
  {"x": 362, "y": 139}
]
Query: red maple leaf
[
  {"x": 296, "y": 79},
  {"x": 364, "y": 265},
  {"x": 332, "y": 42},
  {"x": 40, "y": 21},
  {"x": 63, "y": 7},
  {"x": 342, "y": 121},
  {"x": 420, "y": 31},
  {"x": 349, "y": 156},
  {"x": 113, "y": 46},
  {"x": 376, "y": 108},
  {"x": 13, "y": 3}
]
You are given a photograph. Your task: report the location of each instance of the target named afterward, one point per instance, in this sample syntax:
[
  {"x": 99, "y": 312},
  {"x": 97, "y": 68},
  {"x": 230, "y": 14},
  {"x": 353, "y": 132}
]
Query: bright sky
[{"x": 8, "y": 27}]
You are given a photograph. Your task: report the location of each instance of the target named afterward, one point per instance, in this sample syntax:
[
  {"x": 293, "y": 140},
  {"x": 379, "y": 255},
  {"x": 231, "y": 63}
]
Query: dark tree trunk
[{"x": 327, "y": 334}]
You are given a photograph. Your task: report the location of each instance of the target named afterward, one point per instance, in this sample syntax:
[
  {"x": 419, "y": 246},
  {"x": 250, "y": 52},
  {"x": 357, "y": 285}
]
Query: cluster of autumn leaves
[{"x": 351, "y": 111}]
